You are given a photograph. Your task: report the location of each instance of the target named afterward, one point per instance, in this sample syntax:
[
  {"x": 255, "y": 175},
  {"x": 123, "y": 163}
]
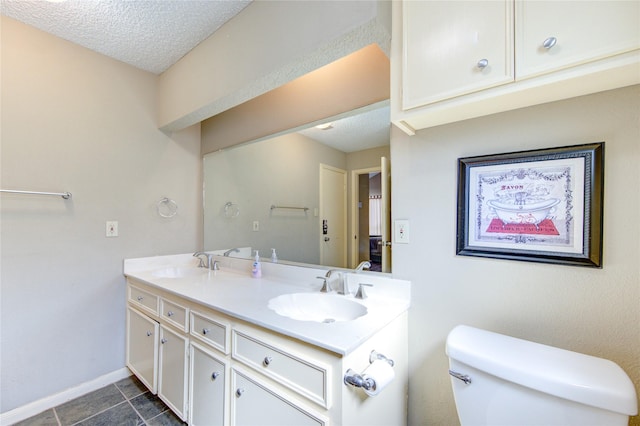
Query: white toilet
[{"x": 501, "y": 380}]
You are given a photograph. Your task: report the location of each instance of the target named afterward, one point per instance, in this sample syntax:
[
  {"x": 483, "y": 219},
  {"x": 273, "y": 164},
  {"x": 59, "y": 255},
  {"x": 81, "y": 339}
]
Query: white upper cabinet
[
  {"x": 455, "y": 60},
  {"x": 455, "y": 48},
  {"x": 551, "y": 35}
]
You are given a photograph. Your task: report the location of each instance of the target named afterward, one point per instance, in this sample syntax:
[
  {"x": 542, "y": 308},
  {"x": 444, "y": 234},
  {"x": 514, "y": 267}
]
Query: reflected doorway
[{"x": 372, "y": 217}]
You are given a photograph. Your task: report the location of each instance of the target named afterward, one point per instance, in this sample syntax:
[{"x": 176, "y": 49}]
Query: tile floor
[{"x": 127, "y": 402}]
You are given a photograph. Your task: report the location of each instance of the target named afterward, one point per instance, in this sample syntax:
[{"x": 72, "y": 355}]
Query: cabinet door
[
  {"x": 574, "y": 32},
  {"x": 452, "y": 48},
  {"x": 142, "y": 347},
  {"x": 255, "y": 404},
  {"x": 172, "y": 374},
  {"x": 207, "y": 388}
]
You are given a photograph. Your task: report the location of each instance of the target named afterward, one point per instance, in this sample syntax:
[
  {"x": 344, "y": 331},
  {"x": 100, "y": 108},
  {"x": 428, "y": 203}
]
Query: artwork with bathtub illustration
[{"x": 535, "y": 205}]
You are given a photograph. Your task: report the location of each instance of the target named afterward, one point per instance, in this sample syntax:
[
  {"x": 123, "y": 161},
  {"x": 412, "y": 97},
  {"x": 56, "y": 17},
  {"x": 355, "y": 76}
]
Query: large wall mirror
[{"x": 317, "y": 196}]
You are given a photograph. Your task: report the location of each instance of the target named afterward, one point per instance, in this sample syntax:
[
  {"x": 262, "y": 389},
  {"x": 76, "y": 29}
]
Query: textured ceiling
[
  {"x": 154, "y": 34},
  {"x": 149, "y": 34}
]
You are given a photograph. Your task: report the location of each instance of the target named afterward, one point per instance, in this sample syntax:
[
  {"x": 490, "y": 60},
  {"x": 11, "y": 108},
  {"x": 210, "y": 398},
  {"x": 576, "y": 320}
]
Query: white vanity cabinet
[
  {"x": 254, "y": 403},
  {"x": 142, "y": 347},
  {"x": 157, "y": 345},
  {"x": 173, "y": 370},
  {"x": 453, "y": 60},
  {"x": 215, "y": 369},
  {"x": 208, "y": 384}
]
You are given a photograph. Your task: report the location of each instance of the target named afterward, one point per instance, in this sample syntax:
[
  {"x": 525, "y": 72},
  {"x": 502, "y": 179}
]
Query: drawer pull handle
[
  {"x": 163, "y": 341},
  {"x": 549, "y": 42},
  {"x": 267, "y": 361},
  {"x": 170, "y": 314},
  {"x": 239, "y": 392},
  {"x": 482, "y": 63},
  {"x": 140, "y": 298},
  {"x": 215, "y": 375},
  {"x": 149, "y": 333},
  {"x": 205, "y": 331}
]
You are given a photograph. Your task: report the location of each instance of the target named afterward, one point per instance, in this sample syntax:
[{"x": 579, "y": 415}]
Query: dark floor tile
[
  {"x": 122, "y": 414},
  {"x": 131, "y": 387},
  {"x": 166, "y": 419},
  {"x": 87, "y": 405},
  {"x": 46, "y": 418},
  {"x": 148, "y": 405}
]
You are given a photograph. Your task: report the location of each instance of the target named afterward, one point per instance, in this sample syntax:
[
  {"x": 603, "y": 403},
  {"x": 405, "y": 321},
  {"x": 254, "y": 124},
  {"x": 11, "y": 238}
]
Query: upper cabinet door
[
  {"x": 452, "y": 48},
  {"x": 551, "y": 35}
]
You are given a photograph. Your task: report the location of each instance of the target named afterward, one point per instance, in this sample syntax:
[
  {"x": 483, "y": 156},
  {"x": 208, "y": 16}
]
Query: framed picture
[{"x": 540, "y": 206}]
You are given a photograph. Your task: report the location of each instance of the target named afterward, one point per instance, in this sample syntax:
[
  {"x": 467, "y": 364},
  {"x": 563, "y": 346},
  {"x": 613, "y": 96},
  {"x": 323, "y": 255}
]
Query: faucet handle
[
  {"x": 325, "y": 286},
  {"x": 361, "y": 294},
  {"x": 198, "y": 254}
]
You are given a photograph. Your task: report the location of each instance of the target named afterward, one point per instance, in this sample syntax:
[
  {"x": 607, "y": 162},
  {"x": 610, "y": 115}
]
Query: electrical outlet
[
  {"x": 401, "y": 231},
  {"x": 112, "y": 228},
  {"x": 256, "y": 225}
]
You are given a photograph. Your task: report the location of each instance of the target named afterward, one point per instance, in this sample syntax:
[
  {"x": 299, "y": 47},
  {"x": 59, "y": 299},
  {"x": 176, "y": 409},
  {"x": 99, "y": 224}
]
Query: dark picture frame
[{"x": 543, "y": 205}]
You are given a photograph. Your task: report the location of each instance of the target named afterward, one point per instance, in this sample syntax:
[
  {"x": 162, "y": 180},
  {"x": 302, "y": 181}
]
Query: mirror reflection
[{"x": 312, "y": 196}]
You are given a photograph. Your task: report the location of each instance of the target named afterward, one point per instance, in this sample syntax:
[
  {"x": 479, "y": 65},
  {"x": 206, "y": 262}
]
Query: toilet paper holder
[{"x": 362, "y": 380}]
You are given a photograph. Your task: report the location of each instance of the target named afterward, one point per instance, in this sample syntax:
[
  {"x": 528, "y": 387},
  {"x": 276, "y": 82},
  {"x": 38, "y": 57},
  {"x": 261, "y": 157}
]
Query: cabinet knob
[
  {"x": 267, "y": 361},
  {"x": 482, "y": 63},
  {"x": 205, "y": 330},
  {"x": 140, "y": 298},
  {"x": 149, "y": 333},
  {"x": 170, "y": 313},
  {"x": 163, "y": 341},
  {"x": 549, "y": 42},
  {"x": 215, "y": 375},
  {"x": 239, "y": 392}
]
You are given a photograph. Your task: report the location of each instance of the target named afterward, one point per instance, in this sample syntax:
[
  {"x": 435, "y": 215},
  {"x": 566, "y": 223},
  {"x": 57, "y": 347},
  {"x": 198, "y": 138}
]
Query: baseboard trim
[{"x": 37, "y": 407}]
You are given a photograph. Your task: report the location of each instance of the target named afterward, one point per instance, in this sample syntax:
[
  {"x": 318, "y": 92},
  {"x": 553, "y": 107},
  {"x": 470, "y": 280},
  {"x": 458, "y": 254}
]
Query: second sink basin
[{"x": 317, "y": 307}]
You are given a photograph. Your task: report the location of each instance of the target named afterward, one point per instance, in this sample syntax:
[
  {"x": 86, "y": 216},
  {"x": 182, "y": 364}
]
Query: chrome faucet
[
  {"x": 364, "y": 264},
  {"x": 228, "y": 252},
  {"x": 342, "y": 286},
  {"x": 204, "y": 263},
  {"x": 207, "y": 261}
]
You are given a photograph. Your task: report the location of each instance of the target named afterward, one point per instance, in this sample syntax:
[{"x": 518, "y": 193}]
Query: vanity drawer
[
  {"x": 174, "y": 314},
  {"x": 143, "y": 299},
  {"x": 214, "y": 333},
  {"x": 308, "y": 379}
]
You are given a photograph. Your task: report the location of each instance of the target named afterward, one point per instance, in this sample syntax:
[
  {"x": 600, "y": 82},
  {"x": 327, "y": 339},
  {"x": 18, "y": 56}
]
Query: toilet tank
[{"x": 516, "y": 382}]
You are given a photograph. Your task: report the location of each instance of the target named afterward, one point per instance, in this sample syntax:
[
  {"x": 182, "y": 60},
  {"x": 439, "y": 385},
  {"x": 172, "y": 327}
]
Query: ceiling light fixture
[{"x": 325, "y": 126}]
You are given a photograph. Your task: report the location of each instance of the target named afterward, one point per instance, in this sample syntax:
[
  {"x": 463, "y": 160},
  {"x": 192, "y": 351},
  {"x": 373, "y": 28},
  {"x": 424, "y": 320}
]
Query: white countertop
[{"x": 232, "y": 291}]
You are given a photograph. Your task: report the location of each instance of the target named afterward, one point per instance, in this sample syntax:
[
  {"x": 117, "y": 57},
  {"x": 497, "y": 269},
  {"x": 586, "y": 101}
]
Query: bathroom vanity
[{"x": 208, "y": 344}]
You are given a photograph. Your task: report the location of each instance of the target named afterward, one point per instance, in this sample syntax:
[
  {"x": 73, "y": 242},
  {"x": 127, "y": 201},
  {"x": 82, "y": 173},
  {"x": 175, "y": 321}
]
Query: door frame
[{"x": 354, "y": 237}]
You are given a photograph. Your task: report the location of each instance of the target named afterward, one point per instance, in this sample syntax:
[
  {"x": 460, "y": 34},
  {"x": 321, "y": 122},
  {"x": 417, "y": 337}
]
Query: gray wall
[
  {"x": 73, "y": 120},
  {"x": 283, "y": 171},
  {"x": 594, "y": 311}
]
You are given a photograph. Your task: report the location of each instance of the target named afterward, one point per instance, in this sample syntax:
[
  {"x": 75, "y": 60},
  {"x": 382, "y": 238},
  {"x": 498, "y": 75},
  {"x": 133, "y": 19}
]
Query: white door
[
  {"x": 142, "y": 348},
  {"x": 333, "y": 216},
  {"x": 557, "y": 34},
  {"x": 173, "y": 368},
  {"x": 207, "y": 389},
  {"x": 253, "y": 404},
  {"x": 452, "y": 48},
  {"x": 385, "y": 215}
]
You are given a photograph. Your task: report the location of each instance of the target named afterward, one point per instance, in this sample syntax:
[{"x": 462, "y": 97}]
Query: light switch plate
[
  {"x": 401, "y": 231},
  {"x": 112, "y": 228}
]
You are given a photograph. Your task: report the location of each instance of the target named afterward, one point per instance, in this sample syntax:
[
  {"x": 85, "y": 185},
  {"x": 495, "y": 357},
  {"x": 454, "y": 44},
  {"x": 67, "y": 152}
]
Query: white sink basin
[
  {"x": 177, "y": 272},
  {"x": 318, "y": 307}
]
